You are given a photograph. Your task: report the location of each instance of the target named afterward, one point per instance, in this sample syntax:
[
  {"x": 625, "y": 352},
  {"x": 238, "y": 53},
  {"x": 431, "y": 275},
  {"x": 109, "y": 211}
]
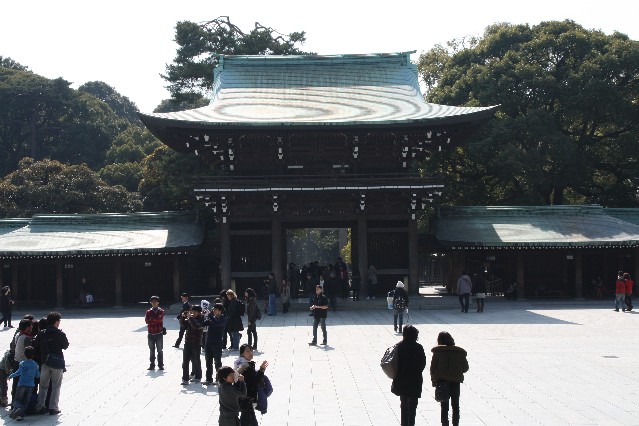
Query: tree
[
  {"x": 121, "y": 105},
  {"x": 49, "y": 186},
  {"x": 190, "y": 74},
  {"x": 568, "y": 124},
  {"x": 11, "y": 64}
]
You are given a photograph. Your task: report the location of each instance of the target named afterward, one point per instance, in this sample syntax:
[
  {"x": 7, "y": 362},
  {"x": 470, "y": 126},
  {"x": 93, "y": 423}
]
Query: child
[
  {"x": 28, "y": 371},
  {"x": 230, "y": 393},
  {"x": 192, "y": 323}
]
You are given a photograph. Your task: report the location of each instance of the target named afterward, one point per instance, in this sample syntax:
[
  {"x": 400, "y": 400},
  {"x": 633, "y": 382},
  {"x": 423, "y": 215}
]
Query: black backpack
[
  {"x": 258, "y": 312},
  {"x": 400, "y": 302},
  {"x": 241, "y": 308}
]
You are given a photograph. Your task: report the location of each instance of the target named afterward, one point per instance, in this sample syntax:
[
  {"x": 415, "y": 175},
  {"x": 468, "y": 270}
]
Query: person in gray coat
[
  {"x": 464, "y": 286},
  {"x": 229, "y": 393}
]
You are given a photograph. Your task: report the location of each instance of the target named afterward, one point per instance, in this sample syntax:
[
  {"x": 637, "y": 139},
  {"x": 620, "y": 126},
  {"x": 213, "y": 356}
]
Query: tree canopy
[
  {"x": 568, "y": 126},
  {"x": 191, "y": 74}
]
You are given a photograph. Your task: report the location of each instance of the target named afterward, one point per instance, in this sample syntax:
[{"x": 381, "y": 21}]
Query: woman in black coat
[
  {"x": 234, "y": 323},
  {"x": 408, "y": 382}
]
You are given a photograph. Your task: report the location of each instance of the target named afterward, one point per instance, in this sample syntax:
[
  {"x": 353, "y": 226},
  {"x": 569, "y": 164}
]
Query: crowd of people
[{"x": 35, "y": 362}]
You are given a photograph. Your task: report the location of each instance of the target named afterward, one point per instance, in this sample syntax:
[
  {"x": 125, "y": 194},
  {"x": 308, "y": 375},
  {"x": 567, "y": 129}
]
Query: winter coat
[
  {"x": 448, "y": 363},
  {"x": 620, "y": 286},
  {"x": 251, "y": 312},
  {"x": 5, "y": 303},
  {"x": 629, "y": 284},
  {"x": 479, "y": 284},
  {"x": 216, "y": 329},
  {"x": 411, "y": 363},
  {"x": 400, "y": 293},
  {"x": 285, "y": 293},
  {"x": 234, "y": 319},
  {"x": 464, "y": 285}
]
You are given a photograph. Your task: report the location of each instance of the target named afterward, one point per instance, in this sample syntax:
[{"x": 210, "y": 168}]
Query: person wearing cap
[
  {"x": 319, "y": 308},
  {"x": 186, "y": 307},
  {"x": 155, "y": 323},
  {"x": 400, "y": 305}
]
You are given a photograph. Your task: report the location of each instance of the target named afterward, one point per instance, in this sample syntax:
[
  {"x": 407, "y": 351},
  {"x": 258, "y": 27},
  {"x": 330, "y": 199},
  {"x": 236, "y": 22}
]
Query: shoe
[
  {"x": 623, "y": 310},
  {"x": 10, "y": 326},
  {"x": 185, "y": 382},
  {"x": 176, "y": 346},
  {"x": 41, "y": 410},
  {"x": 313, "y": 343},
  {"x": 191, "y": 376},
  {"x": 324, "y": 343},
  {"x": 13, "y": 413},
  {"x": 395, "y": 329},
  {"x": 616, "y": 310},
  {"x": 196, "y": 380},
  {"x": 54, "y": 412},
  {"x": 151, "y": 367},
  {"x": 161, "y": 367},
  {"x": 208, "y": 382}
]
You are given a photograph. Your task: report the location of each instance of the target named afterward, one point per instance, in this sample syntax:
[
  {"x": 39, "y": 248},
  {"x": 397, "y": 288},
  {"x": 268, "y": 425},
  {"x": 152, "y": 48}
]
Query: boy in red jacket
[
  {"x": 155, "y": 323},
  {"x": 620, "y": 292}
]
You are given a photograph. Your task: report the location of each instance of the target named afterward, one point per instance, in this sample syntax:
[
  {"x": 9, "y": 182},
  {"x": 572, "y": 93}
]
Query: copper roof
[
  {"x": 537, "y": 226},
  {"x": 317, "y": 90}
]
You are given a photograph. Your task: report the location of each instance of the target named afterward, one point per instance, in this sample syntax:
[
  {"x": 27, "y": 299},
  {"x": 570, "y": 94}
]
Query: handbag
[
  {"x": 442, "y": 390},
  {"x": 390, "y": 362},
  {"x": 55, "y": 361}
]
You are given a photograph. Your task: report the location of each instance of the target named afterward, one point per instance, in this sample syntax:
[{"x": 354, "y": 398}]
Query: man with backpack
[{"x": 400, "y": 304}]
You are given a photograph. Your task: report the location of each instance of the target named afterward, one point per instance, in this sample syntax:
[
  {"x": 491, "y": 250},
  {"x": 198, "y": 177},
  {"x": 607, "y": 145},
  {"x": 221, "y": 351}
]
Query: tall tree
[
  {"x": 190, "y": 74},
  {"x": 568, "y": 126},
  {"x": 121, "y": 105}
]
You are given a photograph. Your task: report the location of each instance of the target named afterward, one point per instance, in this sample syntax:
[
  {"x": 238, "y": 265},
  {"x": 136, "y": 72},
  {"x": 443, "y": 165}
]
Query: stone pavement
[{"x": 531, "y": 363}]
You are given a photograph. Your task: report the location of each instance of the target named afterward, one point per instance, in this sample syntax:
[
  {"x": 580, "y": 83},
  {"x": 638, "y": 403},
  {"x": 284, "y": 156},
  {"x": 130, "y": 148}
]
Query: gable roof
[
  {"x": 99, "y": 234},
  {"x": 302, "y": 91},
  {"x": 533, "y": 226}
]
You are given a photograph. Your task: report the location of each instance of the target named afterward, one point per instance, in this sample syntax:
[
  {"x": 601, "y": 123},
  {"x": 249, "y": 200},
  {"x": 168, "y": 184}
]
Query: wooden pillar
[
  {"x": 14, "y": 281},
  {"x": 118, "y": 283},
  {"x": 276, "y": 248},
  {"x": 28, "y": 288},
  {"x": 176, "y": 277},
  {"x": 578, "y": 275},
  {"x": 413, "y": 258},
  {"x": 59, "y": 302},
  {"x": 521, "y": 283},
  {"x": 225, "y": 253},
  {"x": 362, "y": 251}
]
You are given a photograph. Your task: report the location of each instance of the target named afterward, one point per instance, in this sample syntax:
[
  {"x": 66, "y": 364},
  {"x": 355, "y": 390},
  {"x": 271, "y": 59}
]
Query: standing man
[
  {"x": 464, "y": 286},
  {"x": 319, "y": 309},
  {"x": 54, "y": 342},
  {"x": 216, "y": 323},
  {"x": 6, "y": 306},
  {"x": 620, "y": 292},
  {"x": 629, "y": 284},
  {"x": 155, "y": 323},
  {"x": 272, "y": 294},
  {"x": 186, "y": 307}
]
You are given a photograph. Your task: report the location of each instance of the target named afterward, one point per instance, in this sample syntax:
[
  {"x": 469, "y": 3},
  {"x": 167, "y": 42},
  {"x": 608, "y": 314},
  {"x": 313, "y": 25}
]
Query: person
[
  {"x": 251, "y": 313},
  {"x": 372, "y": 282},
  {"x": 407, "y": 384},
  {"x": 512, "y": 293},
  {"x": 230, "y": 393},
  {"x": 245, "y": 366},
  {"x": 216, "y": 323},
  {"x": 54, "y": 341},
  {"x": 6, "y": 368},
  {"x": 312, "y": 282},
  {"x": 620, "y": 292},
  {"x": 400, "y": 305},
  {"x": 341, "y": 270},
  {"x": 154, "y": 319},
  {"x": 285, "y": 296},
  {"x": 449, "y": 364},
  {"x": 464, "y": 286},
  {"x": 21, "y": 340},
  {"x": 205, "y": 304},
  {"x": 331, "y": 288},
  {"x": 319, "y": 308},
  {"x": 272, "y": 294},
  {"x": 356, "y": 284},
  {"x": 6, "y": 306},
  {"x": 479, "y": 290},
  {"x": 629, "y": 285},
  {"x": 234, "y": 319},
  {"x": 192, "y": 323},
  {"x": 28, "y": 371},
  {"x": 186, "y": 307}
]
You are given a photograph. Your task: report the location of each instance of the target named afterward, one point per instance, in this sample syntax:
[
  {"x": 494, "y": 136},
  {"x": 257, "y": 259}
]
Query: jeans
[
  {"x": 322, "y": 322},
  {"x": 251, "y": 330},
  {"x": 464, "y": 300},
  {"x": 620, "y": 299},
  {"x": 454, "y": 399},
  {"x": 53, "y": 375},
  {"x": 156, "y": 341},
  {"x": 272, "y": 309},
  {"x": 408, "y": 406},
  {"x": 398, "y": 313},
  {"x": 191, "y": 354},
  {"x": 212, "y": 352},
  {"x": 371, "y": 290},
  {"x": 22, "y": 398},
  {"x": 235, "y": 339}
]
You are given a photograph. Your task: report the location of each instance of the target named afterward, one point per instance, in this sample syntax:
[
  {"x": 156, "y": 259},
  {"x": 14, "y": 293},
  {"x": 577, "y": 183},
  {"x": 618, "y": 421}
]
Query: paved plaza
[{"x": 531, "y": 363}]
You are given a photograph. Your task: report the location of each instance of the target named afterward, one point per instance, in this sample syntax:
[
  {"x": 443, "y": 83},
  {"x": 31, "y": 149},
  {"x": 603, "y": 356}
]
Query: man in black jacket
[
  {"x": 320, "y": 312},
  {"x": 186, "y": 307},
  {"x": 54, "y": 342}
]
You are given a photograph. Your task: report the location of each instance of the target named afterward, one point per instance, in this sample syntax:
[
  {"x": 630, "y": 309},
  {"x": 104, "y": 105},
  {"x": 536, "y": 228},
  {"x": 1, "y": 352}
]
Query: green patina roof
[
  {"x": 317, "y": 90},
  {"x": 548, "y": 226},
  {"x": 99, "y": 234}
]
